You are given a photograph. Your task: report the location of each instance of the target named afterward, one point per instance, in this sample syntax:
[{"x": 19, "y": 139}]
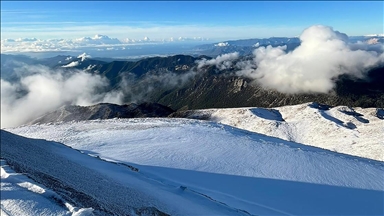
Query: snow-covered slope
[
  {"x": 20, "y": 195},
  {"x": 108, "y": 188},
  {"x": 245, "y": 172},
  {"x": 353, "y": 131}
]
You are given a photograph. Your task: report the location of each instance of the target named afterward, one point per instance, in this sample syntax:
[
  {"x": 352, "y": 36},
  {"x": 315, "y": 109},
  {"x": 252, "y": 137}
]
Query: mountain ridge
[
  {"x": 176, "y": 82},
  {"x": 103, "y": 111}
]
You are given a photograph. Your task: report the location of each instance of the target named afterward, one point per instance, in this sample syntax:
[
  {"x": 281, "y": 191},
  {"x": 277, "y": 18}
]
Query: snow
[
  {"x": 109, "y": 187},
  {"x": 353, "y": 131},
  {"x": 222, "y": 44},
  {"x": 240, "y": 170},
  {"x": 72, "y": 64},
  {"x": 83, "y": 56},
  {"x": 22, "y": 196}
]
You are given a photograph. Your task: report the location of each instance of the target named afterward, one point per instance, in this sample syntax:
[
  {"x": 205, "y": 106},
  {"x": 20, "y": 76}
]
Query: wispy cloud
[
  {"x": 7, "y": 12},
  {"x": 154, "y": 31}
]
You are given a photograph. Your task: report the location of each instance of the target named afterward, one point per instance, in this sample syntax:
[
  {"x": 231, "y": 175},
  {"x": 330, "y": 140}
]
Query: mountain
[
  {"x": 116, "y": 70},
  {"x": 186, "y": 167},
  {"x": 175, "y": 81},
  {"x": 103, "y": 111},
  {"x": 179, "y": 85},
  {"x": 210, "y": 88},
  {"x": 216, "y": 91}
]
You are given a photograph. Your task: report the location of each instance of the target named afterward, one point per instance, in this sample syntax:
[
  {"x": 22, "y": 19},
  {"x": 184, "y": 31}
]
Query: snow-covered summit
[
  {"x": 146, "y": 39},
  {"x": 100, "y": 37},
  {"x": 83, "y": 56}
]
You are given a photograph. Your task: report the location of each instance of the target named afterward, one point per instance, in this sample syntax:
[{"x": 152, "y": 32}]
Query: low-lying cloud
[
  {"x": 312, "y": 67},
  {"x": 42, "y": 90},
  {"x": 222, "y": 62}
]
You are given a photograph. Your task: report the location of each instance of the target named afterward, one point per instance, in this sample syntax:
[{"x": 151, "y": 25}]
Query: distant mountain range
[{"x": 113, "y": 47}]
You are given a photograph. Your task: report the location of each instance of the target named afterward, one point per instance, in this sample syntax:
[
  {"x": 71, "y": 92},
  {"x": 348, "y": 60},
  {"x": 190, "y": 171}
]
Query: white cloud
[
  {"x": 156, "y": 33},
  {"x": 101, "y": 42},
  {"x": 49, "y": 89},
  {"x": 26, "y": 40},
  {"x": 97, "y": 40},
  {"x": 222, "y": 62},
  {"x": 322, "y": 56}
]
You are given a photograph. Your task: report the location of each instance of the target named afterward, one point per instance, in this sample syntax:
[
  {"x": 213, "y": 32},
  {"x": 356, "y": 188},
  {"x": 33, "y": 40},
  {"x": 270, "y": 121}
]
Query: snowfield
[
  {"x": 108, "y": 188},
  {"x": 353, "y": 131},
  {"x": 198, "y": 167}
]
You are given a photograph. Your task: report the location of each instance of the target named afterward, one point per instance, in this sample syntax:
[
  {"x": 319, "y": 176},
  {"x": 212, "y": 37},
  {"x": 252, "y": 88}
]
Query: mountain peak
[{"x": 99, "y": 36}]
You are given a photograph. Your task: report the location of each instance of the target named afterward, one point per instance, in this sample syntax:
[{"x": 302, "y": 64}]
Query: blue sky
[{"x": 159, "y": 20}]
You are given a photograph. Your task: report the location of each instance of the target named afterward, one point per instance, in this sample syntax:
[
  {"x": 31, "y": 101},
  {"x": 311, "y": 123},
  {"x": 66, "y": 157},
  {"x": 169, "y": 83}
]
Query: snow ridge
[{"x": 354, "y": 131}]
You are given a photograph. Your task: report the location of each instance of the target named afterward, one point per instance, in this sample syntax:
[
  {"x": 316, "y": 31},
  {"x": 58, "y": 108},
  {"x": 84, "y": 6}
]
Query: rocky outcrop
[{"x": 239, "y": 84}]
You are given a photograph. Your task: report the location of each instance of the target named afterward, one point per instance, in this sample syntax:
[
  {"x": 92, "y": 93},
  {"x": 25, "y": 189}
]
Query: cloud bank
[
  {"x": 42, "y": 90},
  {"x": 98, "y": 41},
  {"x": 323, "y": 55}
]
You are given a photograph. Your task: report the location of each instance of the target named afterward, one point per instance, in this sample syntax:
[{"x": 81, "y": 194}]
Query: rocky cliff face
[{"x": 216, "y": 91}]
